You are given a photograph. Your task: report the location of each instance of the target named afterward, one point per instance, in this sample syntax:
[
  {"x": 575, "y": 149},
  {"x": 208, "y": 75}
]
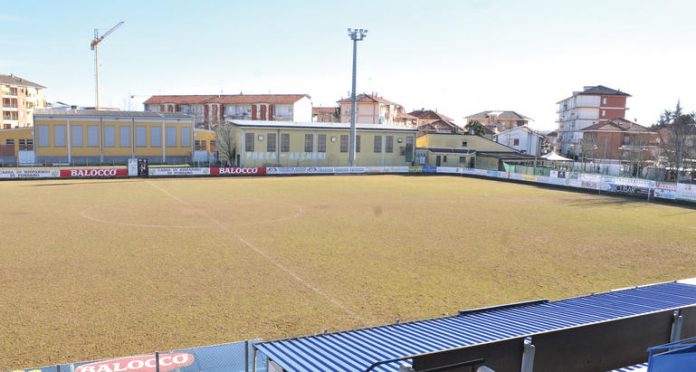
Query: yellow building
[
  {"x": 12, "y": 141},
  {"x": 456, "y": 150},
  {"x": 84, "y": 137},
  {"x": 290, "y": 144}
]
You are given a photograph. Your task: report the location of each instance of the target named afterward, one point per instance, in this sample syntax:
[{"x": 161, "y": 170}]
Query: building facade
[
  {"x": 18, "y": 100},
  {"x": 619, "y": 139},
  {"x": 454, "y": 150},
  {"x": 87, "y": 137},
  {"x": 499, "y": 121},
  {"x": 583, "y": 109},
  {"x": 371, "y": 109},
  {"x": 289, "y": 144},
  {"x": 209, "y": 110},
  {"x": 522, "y": 139}
]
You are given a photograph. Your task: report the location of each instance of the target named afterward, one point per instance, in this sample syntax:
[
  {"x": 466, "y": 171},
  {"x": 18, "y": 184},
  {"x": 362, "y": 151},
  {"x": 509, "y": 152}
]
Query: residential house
[
  {"x": 586, "y": 108},
  {"x": 499, "y": 121},
  {"x": 429, "y": 121},
  {"x": 619, "y": 139},
  {"x": 208, "y": 110},
  {"x": 18, "y": 99},
  {"x": 522, "y": 139},
  {"x": 371, "y": 109},
  {"x": 326, "y": 114}
]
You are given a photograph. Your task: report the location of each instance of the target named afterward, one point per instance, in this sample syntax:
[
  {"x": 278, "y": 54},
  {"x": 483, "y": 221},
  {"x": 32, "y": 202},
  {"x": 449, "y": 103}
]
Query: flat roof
[
  {"x": 110, "y": 113},
  {"x": 318, "y": 125},
  {"x": 359, "y": 349}
]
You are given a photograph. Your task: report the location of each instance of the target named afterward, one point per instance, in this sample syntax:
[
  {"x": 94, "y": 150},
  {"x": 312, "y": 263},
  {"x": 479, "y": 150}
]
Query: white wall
[
  {"x": 302, "y": 110},
  {"x": 529, "y": 143},
  {"x": 583, "y": 100}
]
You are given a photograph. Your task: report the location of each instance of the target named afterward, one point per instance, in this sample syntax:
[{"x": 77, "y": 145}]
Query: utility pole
[
  {"x": 355, "y": 35},
  {"x": 94, "y": 44}
]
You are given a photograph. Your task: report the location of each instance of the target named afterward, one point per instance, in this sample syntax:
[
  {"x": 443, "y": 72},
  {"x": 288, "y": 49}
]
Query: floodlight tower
[
  {"x": 355, "y": 35},
  {"x": 94, "y": 44}
]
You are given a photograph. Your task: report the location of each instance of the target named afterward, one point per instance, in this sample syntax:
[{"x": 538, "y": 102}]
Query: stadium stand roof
[{"x": 358, "y": 350}]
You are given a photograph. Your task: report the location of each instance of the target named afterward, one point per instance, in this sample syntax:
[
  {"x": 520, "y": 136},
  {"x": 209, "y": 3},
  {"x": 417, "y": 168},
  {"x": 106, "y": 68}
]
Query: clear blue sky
[{"x": 459, "y": 57}]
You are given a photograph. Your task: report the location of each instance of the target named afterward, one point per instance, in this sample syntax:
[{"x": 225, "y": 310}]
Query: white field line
[
  {"x": 265, "y": 255},
  {"x": 85, "y": 214}
]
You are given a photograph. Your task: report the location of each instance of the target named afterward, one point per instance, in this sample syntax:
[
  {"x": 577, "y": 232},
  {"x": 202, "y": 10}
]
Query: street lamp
[{"x": 355, "y": 35}]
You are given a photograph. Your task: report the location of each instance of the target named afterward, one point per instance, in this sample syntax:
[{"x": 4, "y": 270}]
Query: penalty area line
[{"x": 263, "y": 254}]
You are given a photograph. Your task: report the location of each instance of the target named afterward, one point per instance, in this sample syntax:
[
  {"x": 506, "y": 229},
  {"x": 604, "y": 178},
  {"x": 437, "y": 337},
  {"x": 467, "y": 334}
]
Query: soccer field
[{"x": 100, "y": 268}]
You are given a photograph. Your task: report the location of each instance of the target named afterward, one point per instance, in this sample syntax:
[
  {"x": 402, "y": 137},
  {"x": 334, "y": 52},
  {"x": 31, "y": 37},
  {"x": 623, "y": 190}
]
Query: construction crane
[{"x": 94, "y": 44}]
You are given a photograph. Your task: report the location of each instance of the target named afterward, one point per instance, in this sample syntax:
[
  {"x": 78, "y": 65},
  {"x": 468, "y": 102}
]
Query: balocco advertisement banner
[
  {"x": 237, "y": 171},
  {"x": 94, "y": 173},
  {"x": 176, "y": 172},
  {"x": 141, "y": 363},
  {"x": 29, "y": 173}
]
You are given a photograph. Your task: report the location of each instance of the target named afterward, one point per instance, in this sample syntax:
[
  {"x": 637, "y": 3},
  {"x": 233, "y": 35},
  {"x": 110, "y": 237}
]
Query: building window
[
  {"x": 516, "y": 142},
  {"x": 249, "y": 142},
  {"x": 59, "y": 135},
  {"x": 155, "y": 136},
  {"x": 9, "y": 141},
  {"x": 271, "y": 142},
  {"x": 124, "y": 136},
  {"x": 199, "y": 145},
  {"x": 308, "y": 143},
  {"x": 389, "y": 145},
  {"x": 378, "y": 144},
  {"x": 109, "y": 136},
  {"x": 212, "y": 146},
  {"x": 285, "y": 142},
  {"x": 171, "y": 137},
  {"x": 76, "y": 134},
  {"x": 626, "y": 139},
  {"x": 464, "y": 144},
  {"x": 185, "y": 136},
  {"x": 604, "y": 100},
  {"x": 444, "y": 159},
  {"x": 141, "y": 136},
  {"x": 357, "y": 143},
  {"x": 344, "y": 143},
  {"x": 92, "y": 136},
  {"x": 321, "y": 143},
  {"x": 26, "y": 145},
  {"x": 462, "y": 159}
]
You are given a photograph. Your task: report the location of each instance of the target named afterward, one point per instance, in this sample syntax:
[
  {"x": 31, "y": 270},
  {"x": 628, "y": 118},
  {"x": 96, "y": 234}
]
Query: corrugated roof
[
  {"x": 317, "y": 125},
  {"x": 226, "y": 99},
  {"x": 104, "y": 113},
  {"x": 16, "y": 80},
  {"x": 358, "y": 349}
]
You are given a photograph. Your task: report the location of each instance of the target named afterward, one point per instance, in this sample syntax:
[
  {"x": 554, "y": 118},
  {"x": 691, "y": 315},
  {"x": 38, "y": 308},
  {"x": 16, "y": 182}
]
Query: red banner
[
  {"x": 237, "y": 171},
  {"x": 94, "y": 173},
  {"x": 141, "y": 363}
]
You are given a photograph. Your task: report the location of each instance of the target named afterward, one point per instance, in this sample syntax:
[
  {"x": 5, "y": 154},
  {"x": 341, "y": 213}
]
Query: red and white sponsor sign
[
  {"x": 94, "y": 173},
  {"x": 28, "y": 173},
  {"x": 140, "y": 363},
  {"x": 237, "y": 171}
]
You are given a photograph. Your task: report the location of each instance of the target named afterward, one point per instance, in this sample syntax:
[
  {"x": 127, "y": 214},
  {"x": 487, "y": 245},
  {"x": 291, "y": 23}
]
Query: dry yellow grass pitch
[{"x": 94, "y": 269}]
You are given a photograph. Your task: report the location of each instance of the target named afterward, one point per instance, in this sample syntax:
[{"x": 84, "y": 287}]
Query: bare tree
[
  {"x": 677, "y": 138},
  {"x": 226, "y": 144}
]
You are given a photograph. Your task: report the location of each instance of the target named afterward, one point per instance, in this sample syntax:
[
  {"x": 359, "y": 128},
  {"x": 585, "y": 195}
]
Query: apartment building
[
  {"x": 18, "y": 99},
  {"x": 499, "y": 121},
  {"x": 583, "y": 109},
  {"x": 372, "y": 109},
  {"x": 619, "y": 139},
  {"x": 208, "y": 110}
]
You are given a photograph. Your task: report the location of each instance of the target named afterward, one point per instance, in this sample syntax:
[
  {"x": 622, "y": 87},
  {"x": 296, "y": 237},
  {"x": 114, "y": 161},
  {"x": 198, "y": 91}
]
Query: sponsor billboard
[
  {"x": 94, "y": 173},
  {"x": 176, "y": 172},
  {"x": 315, "y": 170},
  {"x": 237, "y": 171},
  {"x": 630, "y": 190},
  {"x": 140, "y": 363},
  {"x": 29, "y": 173}
]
